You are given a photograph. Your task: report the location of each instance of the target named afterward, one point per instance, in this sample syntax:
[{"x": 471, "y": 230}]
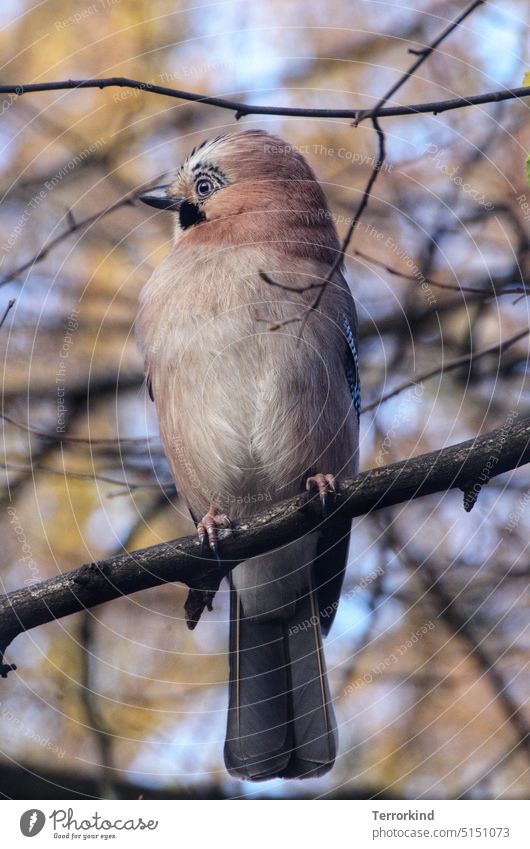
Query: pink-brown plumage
[
  {"x": 247, "y": 414},
  {"x": 281, "y": 404}
]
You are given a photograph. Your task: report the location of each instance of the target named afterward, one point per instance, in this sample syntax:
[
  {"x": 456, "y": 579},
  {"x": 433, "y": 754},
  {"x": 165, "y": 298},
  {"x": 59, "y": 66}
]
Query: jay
[{"x": 249, "y": 414}]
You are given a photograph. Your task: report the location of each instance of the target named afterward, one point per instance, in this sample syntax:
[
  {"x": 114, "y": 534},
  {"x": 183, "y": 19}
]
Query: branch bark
[{"x": 467, "y": 465}]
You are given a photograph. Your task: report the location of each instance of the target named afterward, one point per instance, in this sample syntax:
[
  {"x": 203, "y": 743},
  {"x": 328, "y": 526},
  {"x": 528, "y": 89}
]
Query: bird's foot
[
  {"x": 207, "y": 529},
  {"x": 326, "y": 486}
]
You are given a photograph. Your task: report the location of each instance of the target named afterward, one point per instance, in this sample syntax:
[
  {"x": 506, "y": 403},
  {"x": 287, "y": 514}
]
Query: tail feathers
[
  {"x": 314, "y": 727},
  {"x": 280, "y": 718},
  {"x": 258, "y": 742}
]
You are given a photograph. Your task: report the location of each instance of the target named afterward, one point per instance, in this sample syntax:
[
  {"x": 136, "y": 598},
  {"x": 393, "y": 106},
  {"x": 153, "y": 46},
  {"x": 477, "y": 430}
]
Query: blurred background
[{"x": 428, "y": 657}]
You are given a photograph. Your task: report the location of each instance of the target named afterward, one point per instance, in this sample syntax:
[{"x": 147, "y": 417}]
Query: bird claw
[
  {"x": 207, "y": 530},
  {"x": 327, "y": 488}
]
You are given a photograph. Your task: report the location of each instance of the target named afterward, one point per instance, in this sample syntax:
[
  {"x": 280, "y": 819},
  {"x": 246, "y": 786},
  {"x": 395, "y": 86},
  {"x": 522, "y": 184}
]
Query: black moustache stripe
[{"x": 190, "y": 214}]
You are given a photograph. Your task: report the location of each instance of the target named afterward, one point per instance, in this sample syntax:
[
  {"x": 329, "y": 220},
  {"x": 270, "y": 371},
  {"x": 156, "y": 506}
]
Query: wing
[
  {"x": 351, "y": 362},
  {"x": 332, "y": 553}
]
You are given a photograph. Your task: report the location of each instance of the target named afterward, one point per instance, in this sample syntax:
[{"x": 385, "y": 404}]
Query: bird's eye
[{"x": 204, "y": 187}]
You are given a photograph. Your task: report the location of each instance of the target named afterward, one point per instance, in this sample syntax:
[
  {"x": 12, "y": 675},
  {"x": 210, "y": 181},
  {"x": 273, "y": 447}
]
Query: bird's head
[{"x": 246, "y": 186}]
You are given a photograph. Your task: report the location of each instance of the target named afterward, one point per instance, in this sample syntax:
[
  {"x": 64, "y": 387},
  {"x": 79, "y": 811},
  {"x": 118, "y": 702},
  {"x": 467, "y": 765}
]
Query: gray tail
[{"x": 280, "y": 716}]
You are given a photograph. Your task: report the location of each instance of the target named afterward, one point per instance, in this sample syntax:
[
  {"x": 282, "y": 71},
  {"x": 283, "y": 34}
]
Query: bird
[{"x": 257, "y": 395}]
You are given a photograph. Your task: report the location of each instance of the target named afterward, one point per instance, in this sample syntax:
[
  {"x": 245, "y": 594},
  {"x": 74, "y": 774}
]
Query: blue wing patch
[{"x": 352, "y": 366}]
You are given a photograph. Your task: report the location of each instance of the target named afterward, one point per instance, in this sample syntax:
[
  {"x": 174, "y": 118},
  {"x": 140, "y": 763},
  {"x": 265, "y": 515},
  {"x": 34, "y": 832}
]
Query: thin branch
[
  {"x": 435, "y": 107},
  {"x": 494, "y": 290},
  {"x": 374, "y": 115},
  {"x": 463, "y": 627},
  {"x": 129, "y": 486},
  {"x": 79, "y": 395},
  {"x": 339, "y": 259},
  {"x": 465, "y": 359},
  {"x": 447, "y": 610},
  {"x": 281, "y": 525},
  {"x": 422, "y": 56},
  {"x": 91, "y": 700},
  {"x": 72, "y": 228},
  {"x": 450, "y": 287},
  {"x": 378, "y": 164},
  {"x": 81, "y": 440}
]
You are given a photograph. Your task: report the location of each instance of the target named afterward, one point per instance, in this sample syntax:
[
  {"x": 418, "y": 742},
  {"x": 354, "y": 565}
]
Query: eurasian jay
[{"x": 250, "y": 414}]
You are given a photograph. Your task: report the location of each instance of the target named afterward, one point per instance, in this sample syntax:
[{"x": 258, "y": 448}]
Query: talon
[
  {"x": 207, "y": 529},
  {"x": 213, "y": 540},
  {"x": 326, "y": 486}
]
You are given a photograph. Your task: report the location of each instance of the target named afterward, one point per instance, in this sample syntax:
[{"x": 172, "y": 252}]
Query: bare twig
[
  {"x": 129, "y": 486},
  {"x": 81, "y": 440},
  {"x": 493, "y": 291},
  {"x": 378, "y": 164},
  {"x": 450, "y": 614},
  {"x": 465, "y": 359},
  {"x": 447, "y": 610},
  {"x": 495, "y": 284},
  {"x": 422, "y": 56},
  {"x": 435, "y": 107},
  {"x": 374, "y": 114},
  {"x": 72, "y": 228},
  {"x": 91, "y": 700}
]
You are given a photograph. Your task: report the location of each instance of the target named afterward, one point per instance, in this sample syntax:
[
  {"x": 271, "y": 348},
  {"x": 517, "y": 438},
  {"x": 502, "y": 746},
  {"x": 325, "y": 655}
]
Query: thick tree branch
[
  {"x": 436, "y": 107},
  {"x": 459, "y": 466}
]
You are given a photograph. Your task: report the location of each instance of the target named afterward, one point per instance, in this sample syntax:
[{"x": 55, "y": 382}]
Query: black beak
[{"x": 158, "y": 197}]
